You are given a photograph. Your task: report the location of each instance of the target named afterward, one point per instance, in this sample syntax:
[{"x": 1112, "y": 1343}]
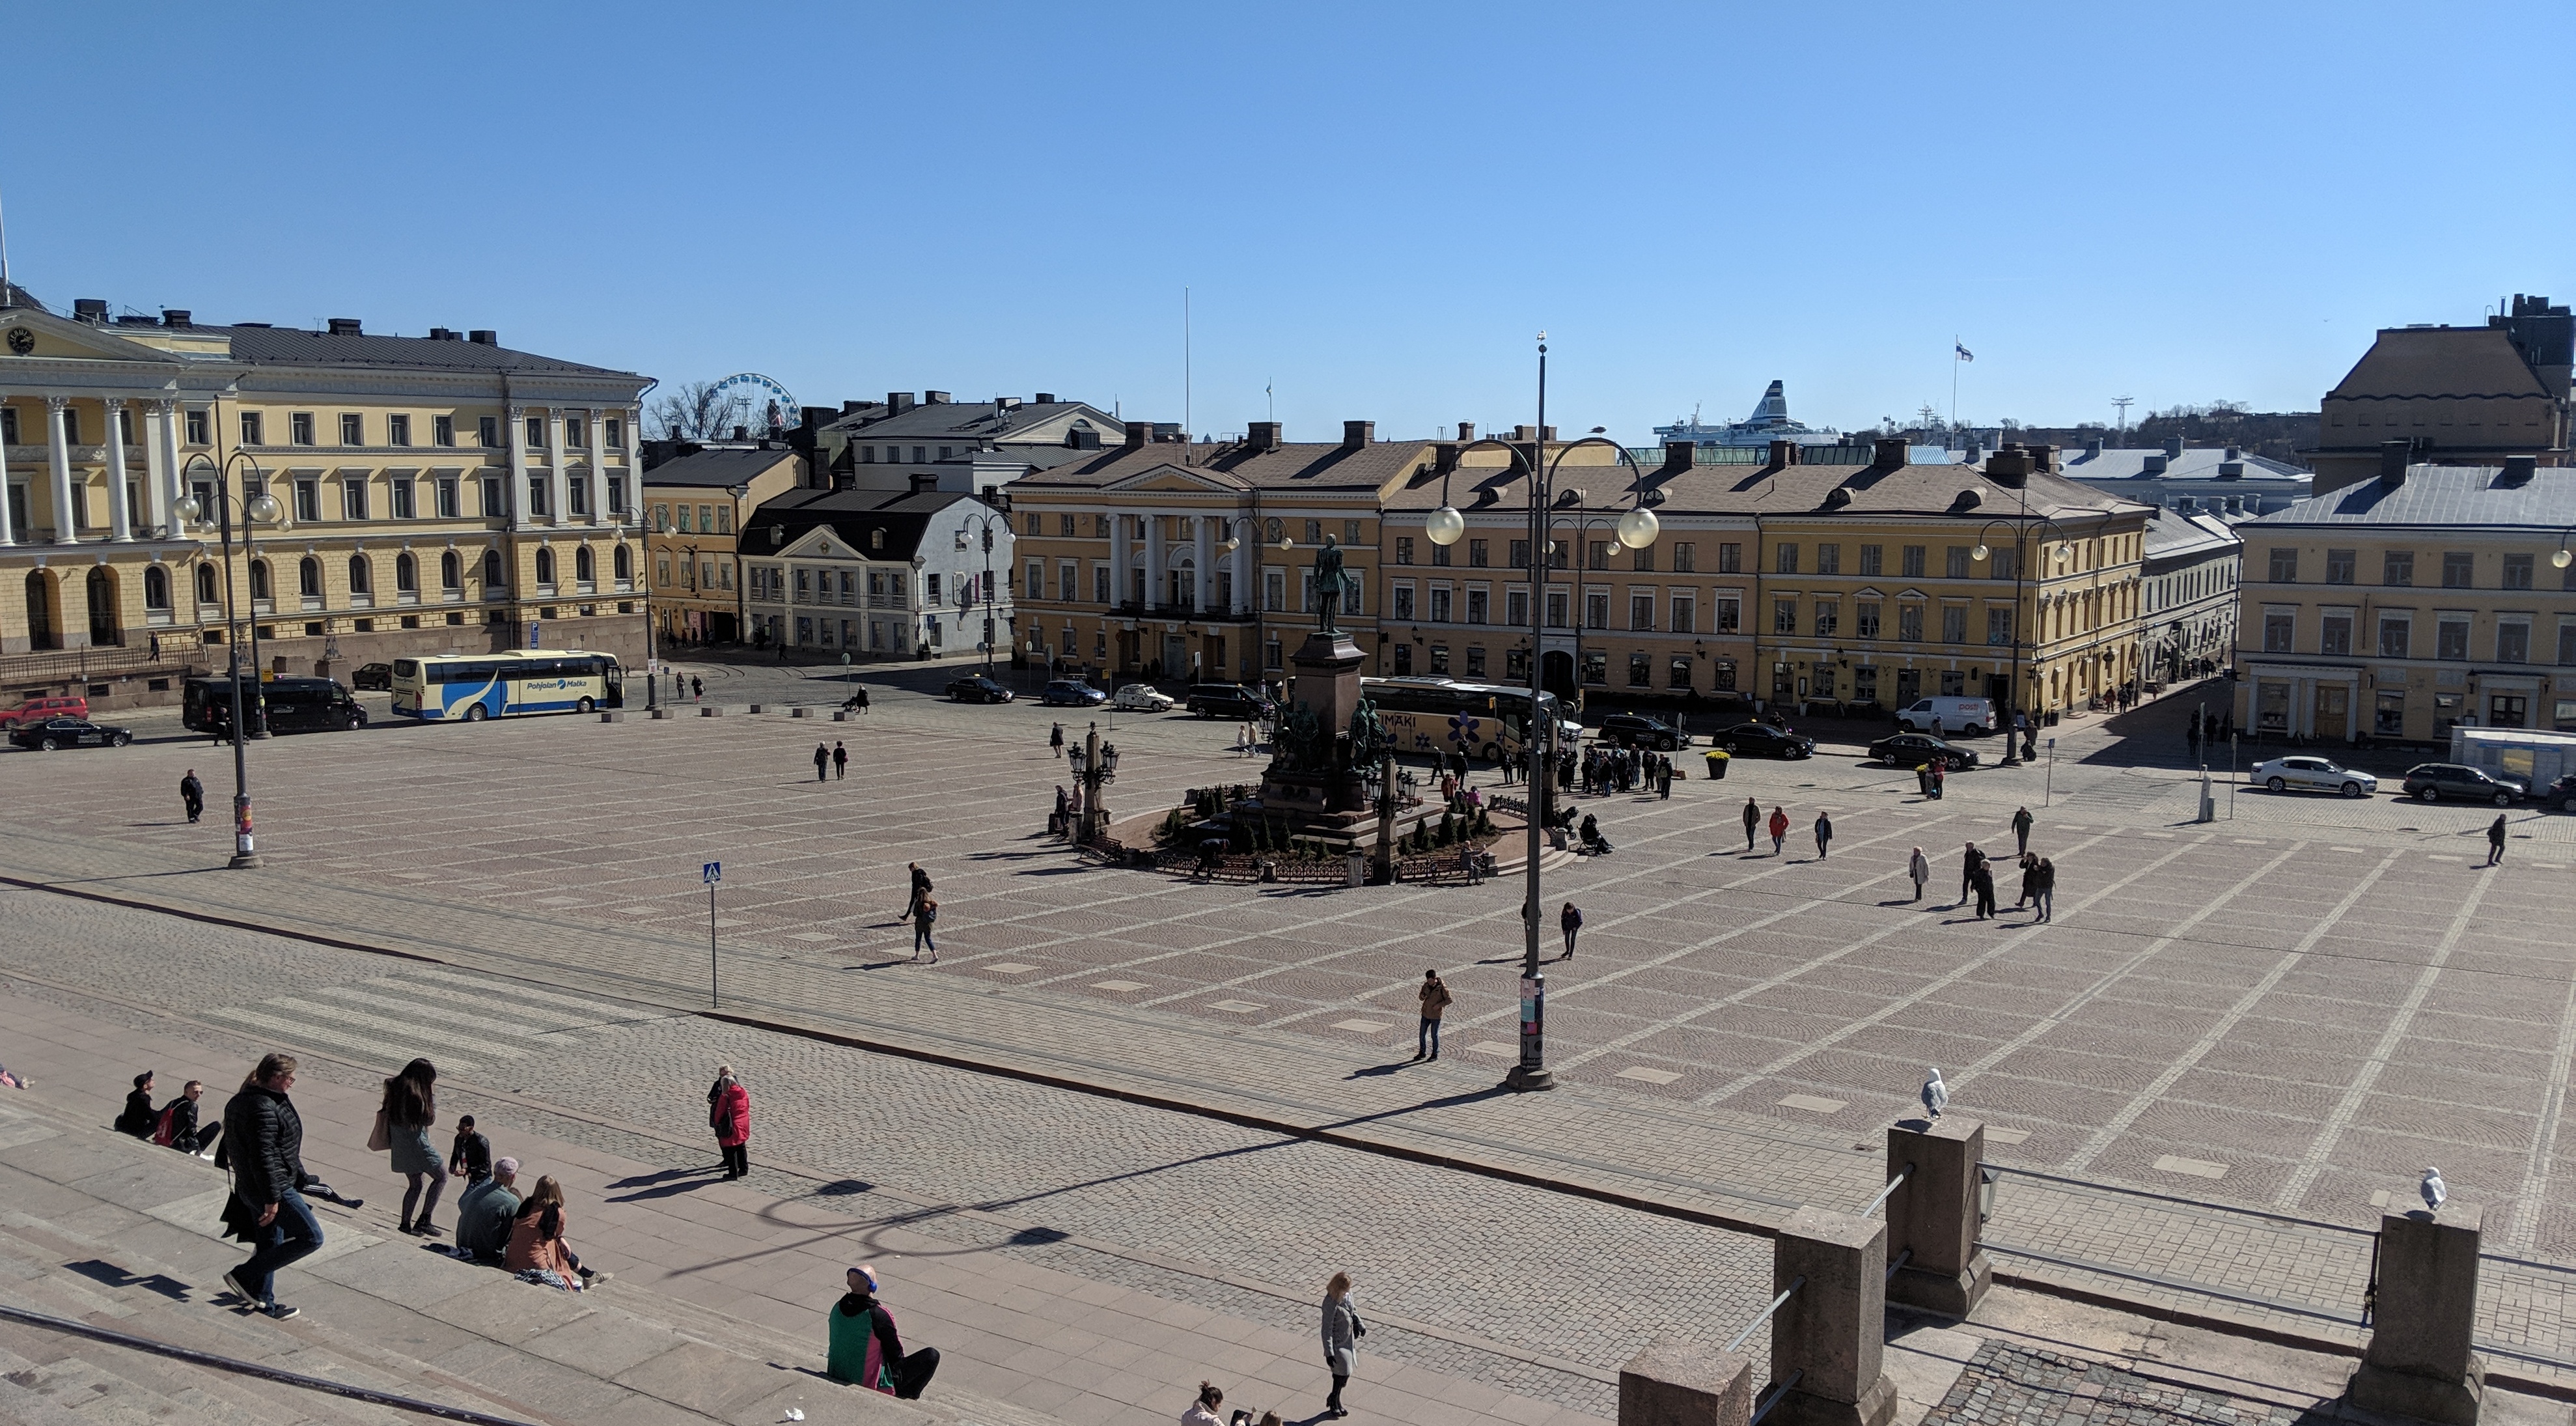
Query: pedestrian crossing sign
[{"x": 713, "y": 873}]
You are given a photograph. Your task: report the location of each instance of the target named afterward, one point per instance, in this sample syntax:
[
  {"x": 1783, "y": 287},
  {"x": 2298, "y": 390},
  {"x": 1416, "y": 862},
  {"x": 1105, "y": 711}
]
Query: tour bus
[
  {"x": 474, "y": 687},
  {"x": 1439, "y": 715}
]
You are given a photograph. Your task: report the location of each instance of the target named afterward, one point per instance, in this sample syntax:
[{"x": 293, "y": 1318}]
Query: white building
[{"x": 874, "y": 574}]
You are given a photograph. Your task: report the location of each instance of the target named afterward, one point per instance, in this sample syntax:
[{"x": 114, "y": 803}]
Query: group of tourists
[{"x": 1608, "y": 770}]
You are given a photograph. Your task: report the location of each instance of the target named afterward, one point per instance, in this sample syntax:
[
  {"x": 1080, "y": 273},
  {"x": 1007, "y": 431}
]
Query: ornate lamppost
[
  {"x": 1095, "y": 766},
  {"x": 986, "y": 522},
  {"x": 259, "y": 509}
]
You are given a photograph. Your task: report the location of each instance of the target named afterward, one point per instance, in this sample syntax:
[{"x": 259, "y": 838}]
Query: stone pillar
[
  {"x": 597, "y": 472},
  {"x": 558, "y": 480},
  {"x": 1244, "y": 593},
  {"x": 518, "y": 434},
  {"x": 161, "y": 468},
  {"x": 1117, "y": 560},
  {"x": 1831, "y": 1332},
  {"x": 8, "y": 524},
  {"x": 1203, "y": 571},
  {"x": 635, "y": 475},
  {"x": 1154, "y": 562},
  {"x": 2418, "y": 1362},
  {"x": 1932, "y": 1216},
  {"x": 58, "y": 450},
  {"x": 1670, "y": 1384},
  {"x": 120, "y": 509}
]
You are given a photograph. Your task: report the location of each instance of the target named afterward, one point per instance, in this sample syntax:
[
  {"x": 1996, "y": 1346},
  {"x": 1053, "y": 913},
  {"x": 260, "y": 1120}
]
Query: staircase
[{"x": 120, "y": 1235}]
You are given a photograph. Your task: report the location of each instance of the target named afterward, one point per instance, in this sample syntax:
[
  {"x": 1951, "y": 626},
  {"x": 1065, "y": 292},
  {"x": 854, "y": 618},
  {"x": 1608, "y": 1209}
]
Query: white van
[{"x": 1953, "y": 715}]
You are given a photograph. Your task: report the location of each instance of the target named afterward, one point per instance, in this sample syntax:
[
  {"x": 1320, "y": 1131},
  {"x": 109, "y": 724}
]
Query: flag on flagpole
[{"x": 1964, "y": 353}]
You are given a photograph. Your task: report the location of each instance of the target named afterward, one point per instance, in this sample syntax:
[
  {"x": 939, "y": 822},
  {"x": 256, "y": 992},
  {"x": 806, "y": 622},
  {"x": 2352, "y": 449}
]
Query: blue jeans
[
  {"x": 288, "y": 1238},
  {"x": 1427, "y": 1039}
]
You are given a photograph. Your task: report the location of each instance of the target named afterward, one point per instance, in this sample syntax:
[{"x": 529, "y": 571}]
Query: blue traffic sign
[{"x": 713, "y": 873}]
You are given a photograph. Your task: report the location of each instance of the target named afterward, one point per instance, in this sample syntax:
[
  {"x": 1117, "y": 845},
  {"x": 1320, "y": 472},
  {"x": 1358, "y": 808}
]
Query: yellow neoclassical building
[{"x": 437, "y": 493}]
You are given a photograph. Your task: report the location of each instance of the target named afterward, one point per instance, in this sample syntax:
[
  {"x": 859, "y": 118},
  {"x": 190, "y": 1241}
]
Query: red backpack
[{"x": 166, "y": 1127}]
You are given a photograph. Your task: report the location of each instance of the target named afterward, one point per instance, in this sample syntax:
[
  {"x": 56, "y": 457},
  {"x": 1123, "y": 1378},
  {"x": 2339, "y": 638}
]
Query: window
[
  {"x": 2513, "y": 641},
  {"x": 406, "y": 574},
  {"x": 1403, "y": 658},
  {"x": 2567, "y": 641},
  {"x": 1685, "y": 559},
  {"x": 1516, "y": 608},
  {"x": 1912, "y": 561},
  {"x": 1954, "y": 623},
  {"x": 1596, "y": 609},
  {"x": 1685, "y": 614},
  {"x": 398, "y": 430},
  {"x": 1784, "y": 616},
  {"x": 308, "y": 578},
  {"x": 1678, "y": 672},
  {"x": 2517, "y": 571},
  {"x": 577, "y": 494},
  {"x": 250, "y": 429},
  {"x": 1439, "y": 659},
  {"x": 1350, "y": 532},
  {"x": 404, "y": 499},
  {"x": 687, "y": 514},
  {"x": 451, "y": 571},
  {"x": 545, "y": 566},
  {"x": 1784, "y": 560},
  {"x": 1641, "y": 611},
  {"x": 1872, "y": 561},
  {"x": 1643, "y": 559},
  {"x": 2339, "y": 566},
  {"x": 2397, "y": 568},
  {"x": 1274, "y": 589},
  {"x": 1829, "y": 559},
  {"x": 2459, "y": 569},
  {"x": 1520, "y": 554},
  {"x": 1909, "y": 623},
  {"x": 2334, "y": 632},
  {"x": 494, "y": 581},
  {"x": 299, "y": 428},
  {"x": 585, "y": 567},
  {"x": 1441, "y": 555},
  {"x": 353, "y": 498},
  {"x": 1865, "y": 615},
  {"x": 1557, "y": 616},
  {"x": 1477, "y": 606},
  {"x": 308, "y": 500},
  {"x": 1476, "y": 661},
  {"x": 2002, "y": 563},
  {"x": 2285, "y": 565},
  {"x": 2280, "y": 631},
  {"x": 1730, "y": 613},
  {"x": 198, "y": 429},
  {"x": 1037, "y": 580},
  {"x": 487, "y": 432},
  {"x": 492, "y": 507},
  {"x": 1314, "y": 528},
  {"x": 2395, "y": 631},
  {"x": 1829, "y": 617},
  {"x": 1730, "y": 558},
  {"x": 573, "y": 433},
  {"x": 537, "y": 495},
  {"x": 156, "y": 587},
  {"x": 208, "y": 594},
  {"x": 930, "y": 587},
  {"x": 1958, "y": 562},
  {"x": 1641, "y": 671},
  {"x": 2451, "y": 636},
  {"x": 614, "y": 431},
  {"x": 1439, "y": 604},
  {"x": 1404, "y": 549},
  {"x": 1100, "y": 585},
  {"x": 1596, "y": 669},
  {"x": 1477, "y": 554},
  {"x": 259, "y": 580},
  {"x": 536, "y": 431}
]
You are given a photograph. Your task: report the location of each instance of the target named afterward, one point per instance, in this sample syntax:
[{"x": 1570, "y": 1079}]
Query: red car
[{"x": 39, "y": 709}]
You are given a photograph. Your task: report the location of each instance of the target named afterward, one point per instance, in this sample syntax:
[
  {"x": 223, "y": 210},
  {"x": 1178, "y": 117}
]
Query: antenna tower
[{"x": 2124, "y": 403}]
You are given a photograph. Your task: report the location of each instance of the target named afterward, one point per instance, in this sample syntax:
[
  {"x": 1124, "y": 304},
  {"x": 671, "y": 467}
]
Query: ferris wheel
[{"x": 771, "y": 404}]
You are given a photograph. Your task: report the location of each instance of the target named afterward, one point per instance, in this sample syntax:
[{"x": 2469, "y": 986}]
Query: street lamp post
[
  {"x": 986, "y": 521},
  {"x": 2020, "y": 526},
  {"x": 260, "y": 509},
  {"x": 1095, "y": 766},
  {"x": 1636, "y": 529}
]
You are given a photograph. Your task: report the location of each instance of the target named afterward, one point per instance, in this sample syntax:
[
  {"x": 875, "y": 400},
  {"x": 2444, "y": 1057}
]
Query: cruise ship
[{"x": 1769, "y": 422}]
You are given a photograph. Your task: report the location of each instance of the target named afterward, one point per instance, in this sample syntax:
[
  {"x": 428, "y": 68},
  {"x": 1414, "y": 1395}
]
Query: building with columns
[
  {"x": 440, "y": 493},
  {"x": 1161, "y": 557}
]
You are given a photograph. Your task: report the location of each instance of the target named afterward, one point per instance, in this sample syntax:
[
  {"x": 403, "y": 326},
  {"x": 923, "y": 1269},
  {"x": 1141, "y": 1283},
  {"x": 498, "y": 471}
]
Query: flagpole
[{"x": 1954, "y": 382}]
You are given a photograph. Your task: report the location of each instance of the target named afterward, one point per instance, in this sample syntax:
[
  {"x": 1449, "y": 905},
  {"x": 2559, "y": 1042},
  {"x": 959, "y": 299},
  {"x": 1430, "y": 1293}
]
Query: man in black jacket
[
  {"x": 139, "y": 1116},
  {"x": 267, "y": 1209}
]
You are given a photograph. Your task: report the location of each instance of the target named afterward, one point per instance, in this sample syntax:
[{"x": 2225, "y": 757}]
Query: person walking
[
  {"x": 2495, "y": 840},
  {"x": 840, "y": 760},
  {"x": 2044, "y": 889},
  {"x": 2029, "y": 880},
  {"x": 1984, "y": 881},
  {"x": 729, "y": 1114},
  {"x": 1342, "y": 1333},
  {"x": 1968, "y": 864},
  {"x": 192, "y": 795},
  {"x": 1940, "y": 779},
  {"x": 409, "y": 1107},
  {"x": 866, "y": 1350},
  {"x": 1055, "y": 740},
  {"x": 1664, "y": 778},
  {"x": 265, "y": 1145},
  {"x": 1569, "y": 921},
  {"x": 920, "y": 889},
  {"x": 1435, "y": 1002},
  {"x": 862, "y": 696},
  {"x": 923, "y": 923},
  {"x": 822, "y": 763},
  {"x": 2021, "y": 831},
  {"x": 1919, "y": 871},
  {"x": 1778, "y": 828},
  {"x": 1824, "y": 835}
]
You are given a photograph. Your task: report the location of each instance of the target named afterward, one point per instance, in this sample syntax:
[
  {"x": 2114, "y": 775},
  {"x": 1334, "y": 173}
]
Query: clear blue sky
[{"x": 1375, "y": 206}]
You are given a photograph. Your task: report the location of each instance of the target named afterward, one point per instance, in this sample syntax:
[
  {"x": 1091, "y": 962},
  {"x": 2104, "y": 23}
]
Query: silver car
[{"x": 2309, "y": 774}]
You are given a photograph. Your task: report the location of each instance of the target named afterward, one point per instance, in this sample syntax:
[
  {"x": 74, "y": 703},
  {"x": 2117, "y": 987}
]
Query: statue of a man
[{"x": 1328, "y": 586}]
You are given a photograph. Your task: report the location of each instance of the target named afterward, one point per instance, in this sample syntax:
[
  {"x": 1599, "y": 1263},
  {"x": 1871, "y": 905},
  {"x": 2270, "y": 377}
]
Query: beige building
[
  {"x": 695, "y": 506},
  {"x": 2452, "y": 396},
  {"x": 2425, "y": 598},
  {"x": 438, "y": 493}
]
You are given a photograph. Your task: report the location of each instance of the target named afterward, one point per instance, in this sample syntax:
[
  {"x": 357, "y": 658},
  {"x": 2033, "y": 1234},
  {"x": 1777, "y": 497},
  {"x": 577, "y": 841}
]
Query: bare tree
[{"x": 699, "y": 411}]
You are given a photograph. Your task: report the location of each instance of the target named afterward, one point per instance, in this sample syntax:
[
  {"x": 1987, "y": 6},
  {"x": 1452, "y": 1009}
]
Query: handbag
[
  {"x": 377, "y": 1140},
  {"x": 1344, "y": 1361}
]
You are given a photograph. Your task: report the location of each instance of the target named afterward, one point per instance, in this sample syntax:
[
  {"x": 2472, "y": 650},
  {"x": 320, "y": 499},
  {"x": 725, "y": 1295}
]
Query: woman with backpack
[{"x": 402, "y": 1130}]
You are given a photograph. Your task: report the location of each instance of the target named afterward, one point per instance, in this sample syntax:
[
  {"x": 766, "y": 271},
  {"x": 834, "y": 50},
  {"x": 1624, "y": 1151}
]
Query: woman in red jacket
[{"x": 729, "y": 1114}]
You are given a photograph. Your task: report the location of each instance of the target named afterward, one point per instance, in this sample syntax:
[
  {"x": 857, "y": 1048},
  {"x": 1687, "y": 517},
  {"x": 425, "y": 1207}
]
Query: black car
[
  {"x": 1225, "y": 700},
  {"x": 1919, "y": 749},
  {"x": 976, "y": 688},
  {"x": 376, "y": 676},
  {"x": 1070, "y": 693},
  {"x": 1762, "y": 740},
  {"x": 2430, "y": 781},
  {"x": 2562, "y": 793},
  {"x": 52, "y": 733},
  {"x": 1636, "y": 730}
]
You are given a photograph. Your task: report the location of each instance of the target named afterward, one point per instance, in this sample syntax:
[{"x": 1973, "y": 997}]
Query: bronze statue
[
  {"x": 1369, "y": 740},
  {"x": 1330, "y": 586}
]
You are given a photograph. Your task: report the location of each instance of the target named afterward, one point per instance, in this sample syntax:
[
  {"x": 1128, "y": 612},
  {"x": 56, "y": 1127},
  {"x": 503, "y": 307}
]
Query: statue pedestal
[{"x": 1316, "y": 783}]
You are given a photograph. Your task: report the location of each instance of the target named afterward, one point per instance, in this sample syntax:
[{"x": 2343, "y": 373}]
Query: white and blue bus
[{"x": 474, "y": 687}]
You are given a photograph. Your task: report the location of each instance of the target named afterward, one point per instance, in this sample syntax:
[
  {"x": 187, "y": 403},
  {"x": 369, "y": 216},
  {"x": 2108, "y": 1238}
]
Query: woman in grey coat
[
  {"x": 1342, "y": 1333},
  {"x": 410, "y": 1107}
]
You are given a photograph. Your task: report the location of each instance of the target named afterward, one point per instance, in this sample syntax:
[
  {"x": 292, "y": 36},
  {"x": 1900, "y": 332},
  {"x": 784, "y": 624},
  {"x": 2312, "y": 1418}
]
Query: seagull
[
  {"x": 1937, "y": 1094},
  {"x": 2434, "y": 1189}
]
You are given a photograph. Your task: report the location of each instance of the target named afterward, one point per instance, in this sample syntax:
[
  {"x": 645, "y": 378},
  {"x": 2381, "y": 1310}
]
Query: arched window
[
  {"x": 585, "y": 565},
  {"x": 362, "y": 575},
  {"x": 308, "y": 578},
  {"x": 451, "y": 571},
  {"x": 206, "y": 591},
  {"x": 259, "y": 582},
  {"x": 406, "y": 573},
  {"x": 156, "y": 587},
  {"x": 545, "y": 566},
  {"x": 625, "y": 562},
  {"x": 492, "y": 580}
]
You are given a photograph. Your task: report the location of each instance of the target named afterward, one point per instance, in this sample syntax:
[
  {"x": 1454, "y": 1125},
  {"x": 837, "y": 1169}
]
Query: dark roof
[
  {"x": 1797, "y": 490},
  {"x": 720, "y": 468},
  {"x": 854, "y": 515},
  {"x": 2170, "y": 532},
  {"x": 293, "y": 346},
  {"x": 2439, "y": 361},
  {"x": 2454, "y": 495},
  {"x": 2195, "y": 463},
  {"x": 964, "y": 420},
  {"x": 1237, "y": 465}
]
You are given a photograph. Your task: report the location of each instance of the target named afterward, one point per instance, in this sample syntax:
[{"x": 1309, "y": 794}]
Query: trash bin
[{"x": 1716, "y": 764}]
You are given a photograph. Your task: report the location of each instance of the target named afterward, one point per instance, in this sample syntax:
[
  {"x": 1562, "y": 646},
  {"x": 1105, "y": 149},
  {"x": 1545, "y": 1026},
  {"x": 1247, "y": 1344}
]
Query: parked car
[
  {"x": 1226, "y": 700},
  {"x": 376, "y": 676},
  {"x": 1920, "y": 749},
  {"x": 2562, "y": 793},
  {"x": 1762, "y": 740},
  {"x": 1070, "y": 693},
  {"x": 295, "y": 705},
  {"x": 2308, "y": 774},
  {"x": 976, "y": 688},
  {"x": 1636, "y": 730},
  {"x": 39, "y": 709},
  {"x": 1143, "y": 698},
  {"x": 1954, "y": 715},
  {"x": 2432, "y": 781},
  {"x": 51, "y": 733}
]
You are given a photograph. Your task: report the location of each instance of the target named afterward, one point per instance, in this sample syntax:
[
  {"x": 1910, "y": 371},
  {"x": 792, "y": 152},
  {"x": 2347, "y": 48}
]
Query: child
[{"x": 472, "y": 1156}]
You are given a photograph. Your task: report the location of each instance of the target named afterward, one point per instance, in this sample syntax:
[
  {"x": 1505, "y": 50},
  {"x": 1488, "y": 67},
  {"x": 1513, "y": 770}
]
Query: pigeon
[
  {"x": 1937, "y": 1094},
  {"x": 2434, "y": 1189}
]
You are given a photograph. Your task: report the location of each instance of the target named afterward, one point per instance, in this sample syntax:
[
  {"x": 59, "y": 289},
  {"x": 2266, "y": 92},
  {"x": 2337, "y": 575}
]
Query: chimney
[
  {"x": 1524, "y": 434},
  {"x": 1138, "y": 432},
  {"x": 2235, "y": 453},
  {"x": 934, "y": 398},
  {"x": 898, "y": 402},
  {"x": 1548, "y": 435},
  {"x": 1784, "y": 454},
  {"x": 441, "y": 334},
  {"x": 484, "y": 336},
  {"x": 175, "y": 317},
  {"x": 1358, "y": 433},
  {"x": 1976, "y": 450},
  {"x": 2173, "y": 448},
  {"x": 346, "y": 327},
  {"x": 2154, "y": 464},
  {"x": 1887, "y": 452},
  {"x": 923, "y": 483},
  {"x": 2093, "y": 448},
  {"x": 742, "y": 433},
  {"x": 1262, "y": 436},
  {"x": 2518, "y": 470},
  {"x": 1466, "y": 432},
  {"x": 89, "y": 309},
  {"x": 1444, "y": 457},
  {"x": 1169, "y": 433},
  {"x": 2231, "y": 468},
  {"x": 847, "y": 407},
  {"x": 2393, "y": 458},
  {"x": 1044, "y": 398},
  {"x": 2009, "y": 467},
  {"x": 1680, "y": 455},
  {"x": 2043, "y": 459}
]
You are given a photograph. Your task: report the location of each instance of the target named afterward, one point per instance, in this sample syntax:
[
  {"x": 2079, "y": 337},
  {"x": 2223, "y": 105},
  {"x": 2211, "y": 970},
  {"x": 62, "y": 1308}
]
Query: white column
[
  {"x": 635, "y": 471},
  {"x": 65, "y": 532},
  {"x": 559, "y": 480},
  {"x": 1203, "y": 581},
  {"x": 597, "y": 474},
  {"x": 1117, "y": 559},
  {"x": 1154, "y": 560},
  {"x": 120, "y": 509},
  {"x": 161, "y": 468},
  {"x": 8, "y": 530},
  {"x": 518, "y": 501},
  {"x": 1244, "y": 593}
]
